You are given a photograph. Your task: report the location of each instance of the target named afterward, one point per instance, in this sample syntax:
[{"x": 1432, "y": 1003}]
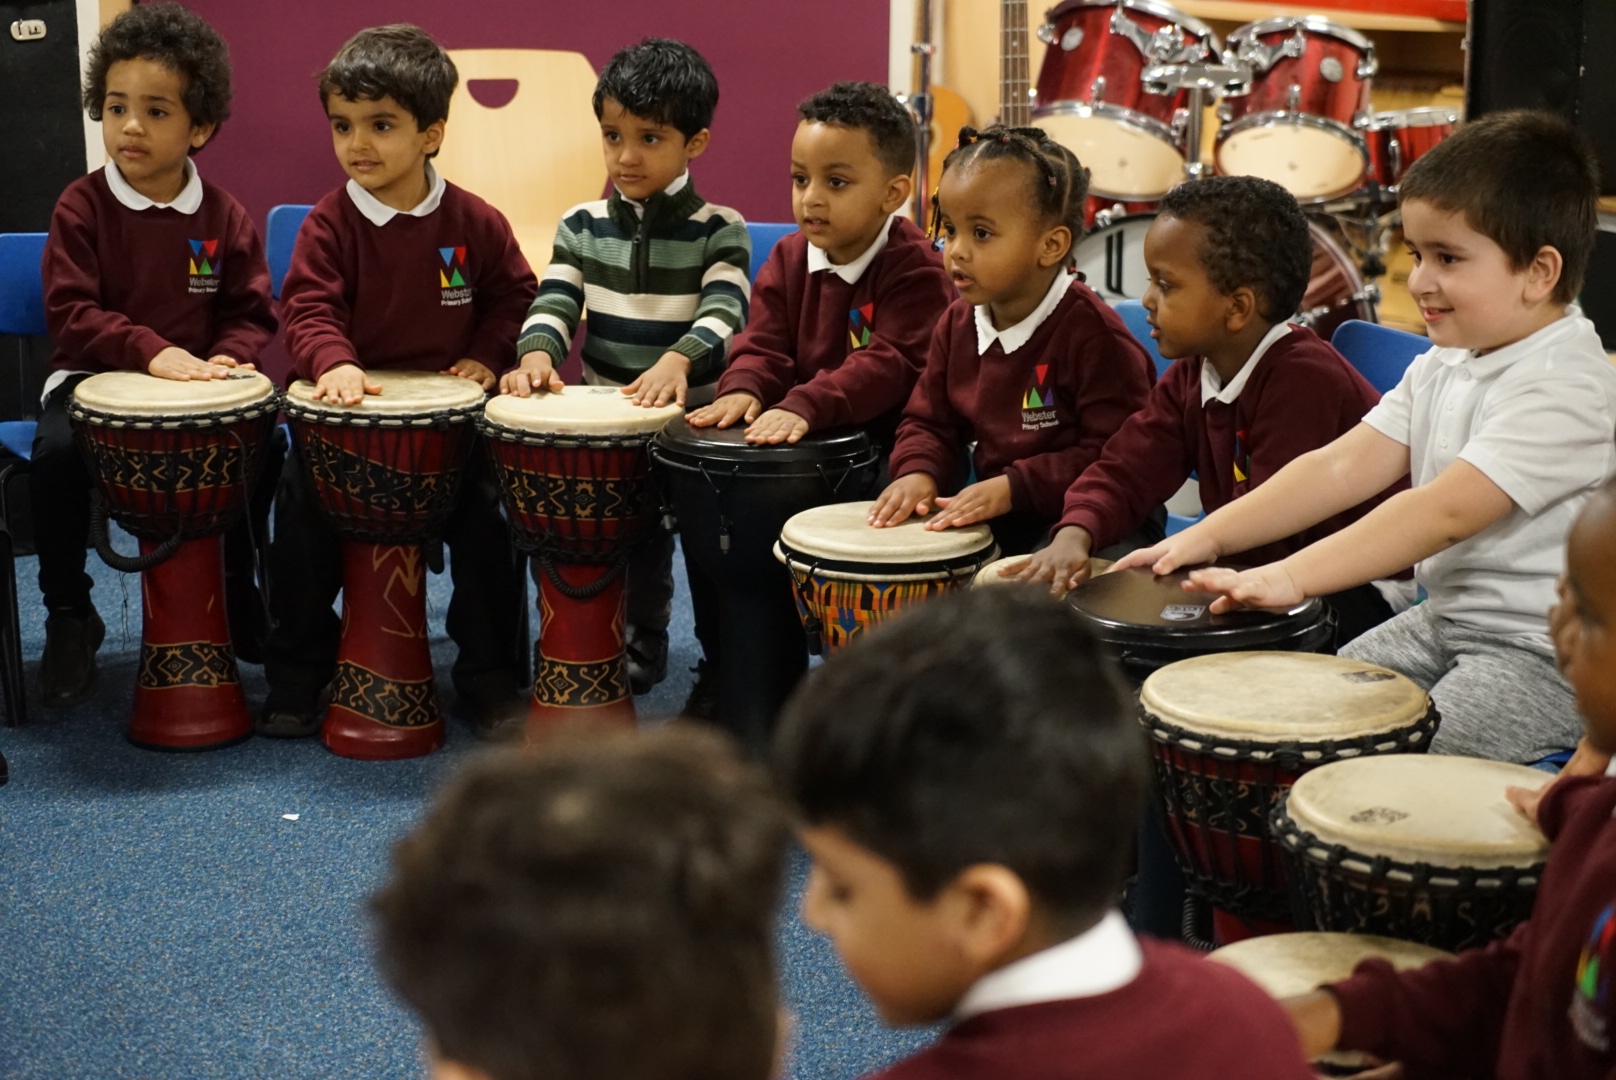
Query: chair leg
[{"x": 12, "y": 684}]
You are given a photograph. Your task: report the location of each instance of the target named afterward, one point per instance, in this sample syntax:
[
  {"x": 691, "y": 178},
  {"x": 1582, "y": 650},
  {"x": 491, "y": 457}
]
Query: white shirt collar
[
  {"x": 1212, "y": 387},
  {"x": 188, "y": 201},
  {"x": 850, "y": 272},
  {"x": 379, "y": 213},
  {"x": 1014, "y": 337},
  {"x": 672, "y": 189},
  {"x": 1610, "y": 770},
  {"x": 1103, "y": 958},
  {"x": 1501, "y": 358}
]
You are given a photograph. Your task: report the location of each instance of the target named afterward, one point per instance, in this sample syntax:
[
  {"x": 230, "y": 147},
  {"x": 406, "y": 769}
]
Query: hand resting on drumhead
[
  {"x": 474, "y": 370},
  {"x": 535, "y": 372},
  {"x": 915, "y": 493},
  {"x": 1064, "y": 564},
  {"x": 663, "y": 382},
  {"x": 345, "y": 384},
  {"x": 177, "y": 364},
  {"x": 975, "y": 502},
  {"x": 777, "y": 426},
  {"x": 726, "y": 410}
]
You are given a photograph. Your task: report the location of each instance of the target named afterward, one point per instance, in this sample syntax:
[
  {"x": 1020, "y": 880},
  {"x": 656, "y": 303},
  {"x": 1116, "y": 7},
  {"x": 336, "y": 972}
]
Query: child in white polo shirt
[{"x": 1506, "y": 427}]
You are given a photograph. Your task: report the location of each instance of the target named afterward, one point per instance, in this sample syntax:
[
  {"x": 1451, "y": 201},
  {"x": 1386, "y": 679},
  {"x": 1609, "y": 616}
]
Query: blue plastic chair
[
  {"x": 1380, "y": 353},
  {"x": 764, "y": 236},
  {"x": 1134, "y": 314},
  {"x": 280, "y": 234}
]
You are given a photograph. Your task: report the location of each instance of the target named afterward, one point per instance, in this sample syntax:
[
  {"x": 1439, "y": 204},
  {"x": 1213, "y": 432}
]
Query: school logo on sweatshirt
[
  {"x": 1242, "y": 458},
  {"x": 1590, "y": 1003},
  {"x": 1038, "y": 403},
  {"x": 204, "y": 266},
  {"x": 452, "y": 276},
  {"x": 859, "y": 326}
]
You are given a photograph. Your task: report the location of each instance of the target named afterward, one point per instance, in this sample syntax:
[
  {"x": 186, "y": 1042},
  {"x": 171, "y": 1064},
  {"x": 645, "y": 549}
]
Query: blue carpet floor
[{"x": 202, "y": 915}]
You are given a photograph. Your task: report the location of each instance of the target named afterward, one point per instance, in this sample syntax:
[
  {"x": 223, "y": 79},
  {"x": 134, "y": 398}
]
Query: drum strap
[
  {"x": 584, "y": 592},
  {"x": 101, "y": 537}
]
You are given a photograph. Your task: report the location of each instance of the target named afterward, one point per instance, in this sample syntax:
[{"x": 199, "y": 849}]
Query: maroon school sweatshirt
[
  {"x": 122, "y": 285},
  {"x": 417, "y": 293},
  {"x": 1039, "y": 415},
  {"x": 1537, "y": 1006},
  {"x": 833, "y": 353}
]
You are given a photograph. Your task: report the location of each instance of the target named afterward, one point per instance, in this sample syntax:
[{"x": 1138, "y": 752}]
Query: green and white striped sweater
[{"x": 674, "y": 280}]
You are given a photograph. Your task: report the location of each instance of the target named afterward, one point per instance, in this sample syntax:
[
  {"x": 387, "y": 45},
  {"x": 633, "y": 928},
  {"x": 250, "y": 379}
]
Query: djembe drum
[
  {"x": 572, "y": 467},
  {"x": 993, "y": 572},
  {"x": 385, "y": 473},
  {"x": 174, "y": 462}
]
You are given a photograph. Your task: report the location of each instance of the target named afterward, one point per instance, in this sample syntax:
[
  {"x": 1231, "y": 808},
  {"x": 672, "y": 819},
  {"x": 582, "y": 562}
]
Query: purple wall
[{"x": 768, "y": 56}]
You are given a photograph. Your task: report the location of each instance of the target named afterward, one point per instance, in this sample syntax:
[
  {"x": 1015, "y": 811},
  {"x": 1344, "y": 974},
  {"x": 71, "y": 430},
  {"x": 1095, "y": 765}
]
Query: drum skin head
[
  {"x": 1309, "y": 162},
  {"x": 991, "y": 573},
  {"x": 403, "y": 393},
  {"x": 1282, "y": 697},
  {"x": 729, "y": 444},
  {"x": 1139, "y": 600},
  {"x": 1124, "y": 162},
  {"x": 579, "y": 410},
  {"x": 1421, "y": 808},
  {"x": 1289, "y": 964},
  {"x": 842, "y": 532},
  {"x": 135, "y": 393}
]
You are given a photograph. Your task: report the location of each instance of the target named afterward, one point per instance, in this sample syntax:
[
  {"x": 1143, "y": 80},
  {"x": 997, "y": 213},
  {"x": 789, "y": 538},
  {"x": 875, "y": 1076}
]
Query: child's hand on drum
[
  {"x": 175, "y": 363},
  {"x": 727, "y": 410},
  {"x": 1585, "y": 762},
  {"x": 1316, "y": 1016},
  {"x": 977, "y": 502},
  {"x": 912, "y": 494},
  {"x": 663, "y": 382},
  {"x": 1268, "y": 586},
  {"x": 475, "y": 370},
  {"x": 1187, "y": 548},
  {"x": 535, "y": 372},
  {"x": 345, "y": 384},
  {"x": 1064, "y": 563},
  {"x": 776, "y": 426},
  {"x": 222, "y": 360}
]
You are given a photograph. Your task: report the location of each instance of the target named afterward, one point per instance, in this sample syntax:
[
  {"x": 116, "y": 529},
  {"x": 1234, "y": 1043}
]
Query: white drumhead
[
  {"x": 1124, "y": 162},
  {"x": 1309, "y": 162},
  {"x": 1430, "y": 808},
  {"x": 1112, "y": 258},
  {"x": 579, "y": 410},
  {"x": 1289, "y": 964},
  {"x": 1282, "y": 697},
  {"x": 403, "y": 393},
  {"x": 991, "y": 574},
  {"x": 842, "y": 532},
  {"x": 135, "y": 393}
]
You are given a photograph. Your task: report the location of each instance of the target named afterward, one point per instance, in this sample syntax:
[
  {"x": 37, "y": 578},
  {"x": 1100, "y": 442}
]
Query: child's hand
[
  {"x": 1316, "y": 1016},
  {"x": 1188, "y": 548},
  {"x": 726, "y": 410},
  {"x": 912, "y": 494},
  {"x": 1268, "y": 586},
  {"x": 663, "y": 382},
  {"x": 1585, "y": 762},
  {"x": 535, "y": 372},
  {"x": 776, "y": 426},
  {"x": 1064, "y": 563},
  {"x": 230, "y": 362},
  {"x": 345, "y": 384},
  {"x": 177, "y": 364},
  {"x": 475, "y": 370},
  {"x": 978, "y": 502}
]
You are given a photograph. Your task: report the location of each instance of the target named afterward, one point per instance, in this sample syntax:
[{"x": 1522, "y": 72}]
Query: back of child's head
[
  {"x": 661, "y": 80},
  {"x": 870, "y": 108},
  {"x": 600, "y": 909},
  {"x": 1254, "y": 235},
  {"x": 1525, "y": 180},
  {"x": 985, "y": 727},
  {"x": 400, "y": 61},
  {"x": 167, "y": 34},
  {"x": 1057, "y": 188}
]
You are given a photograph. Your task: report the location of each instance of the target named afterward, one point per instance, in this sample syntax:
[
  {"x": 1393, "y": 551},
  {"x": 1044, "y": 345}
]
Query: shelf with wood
[{"x": 1242, "y": 11}]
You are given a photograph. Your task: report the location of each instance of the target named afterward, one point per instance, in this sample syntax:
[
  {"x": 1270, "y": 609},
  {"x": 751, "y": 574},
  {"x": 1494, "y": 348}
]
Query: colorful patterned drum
[
  {"x": 386, "y": 472},
  {"x": 175, "y": 462},
  {"x": 572, "y": 468},
  {"x": 849, "y": 576}
]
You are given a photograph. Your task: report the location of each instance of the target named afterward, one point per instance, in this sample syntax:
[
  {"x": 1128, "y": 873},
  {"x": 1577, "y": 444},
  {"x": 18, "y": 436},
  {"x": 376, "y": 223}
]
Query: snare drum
[
  {"x": 386, "y": 473},
  {"x": 849, "y": 576},
  {"x": 1397, "y": 139},
  {"x": 175, "y": 462},
  {"x": 1092, "y": 98},
  {"x": 1419, "y": 847},
  {"x": 1231, "y": 732},
  {"x": 572, "y": 468},
  {"x": 1299, "y": 125}
]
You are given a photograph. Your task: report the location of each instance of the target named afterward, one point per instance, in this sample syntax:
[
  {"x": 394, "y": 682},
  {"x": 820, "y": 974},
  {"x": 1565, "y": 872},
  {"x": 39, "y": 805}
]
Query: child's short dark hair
[
  {"x": 1255, "y": 235},
  {"x": 663, "y": 81},
  {"x": 985, "y": 727},
  {"x": 1059, "y": 182},
  {"x": 179, "y": 40},
  {"x": 400, "y": 61},
  {"x": 1525, "y": 180},
  {"x": 602, "y": 907},
  {"x": 871, "y": 108}
]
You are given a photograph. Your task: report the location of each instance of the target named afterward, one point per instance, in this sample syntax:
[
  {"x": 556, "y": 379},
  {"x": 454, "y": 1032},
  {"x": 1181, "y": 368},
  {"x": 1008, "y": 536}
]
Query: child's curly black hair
[
  {"x": 179, "y": 40},
  {"x": 1058, "y": 186},
  {"x": 871, "y": 108},
  {"x": 400, "y": 61},
  {"x": 1256, "y": 235}
]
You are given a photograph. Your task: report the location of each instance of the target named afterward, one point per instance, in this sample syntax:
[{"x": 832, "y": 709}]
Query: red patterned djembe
[
  {"x": 572, "y": 469},
  {"x": 174, "y": 462},
  {"x": 386, "y": 472}
]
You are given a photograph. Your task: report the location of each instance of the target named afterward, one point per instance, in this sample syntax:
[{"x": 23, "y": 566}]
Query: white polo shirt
[{"x": 1538, "y": 418}]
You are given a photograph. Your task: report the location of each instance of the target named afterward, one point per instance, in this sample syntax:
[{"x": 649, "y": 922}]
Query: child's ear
[
  {"x": 1543, "y": 274},
  {"x": 201, "y": 133},
  {"x": 1057, "y": 242},
  {"x": 434, "y": 137},
  {"x": 899, "y": 188},
  {"x": 990, "y": 909},
  {"x": 1241, "y": 310},
  {"x": 696, "y": 144}
]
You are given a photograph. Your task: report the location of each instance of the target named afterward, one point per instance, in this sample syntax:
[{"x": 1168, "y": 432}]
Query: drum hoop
[
  {"x": 178, "y": 421},
  {"x": 626, "y": 440},
  {"x": 960, "y": 566},
  {"x": 1282, "y": 117},
  {"x": 1425, "y": 116},
  {"x": 1414, "y": 737},
  {"x": 1318, "y": 24},
  {"x": 1161, "y": 10},
  {"x": 1298, "y": 843},
  {"x": 441, "y": 417},
  {"x": 669, "y": 458},
  {"x": 1121, "y": 114}
]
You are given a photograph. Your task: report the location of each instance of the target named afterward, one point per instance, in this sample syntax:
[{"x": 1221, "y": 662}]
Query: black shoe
[
  {"x": 249, "y": 622},
  {"x": 67, "y": 668},
  {"x": 496, "y": 708},
  {"x": 288, "y": 723},
  {"x": 702, "y": 704},
  {"x": 647, "y": 653}
]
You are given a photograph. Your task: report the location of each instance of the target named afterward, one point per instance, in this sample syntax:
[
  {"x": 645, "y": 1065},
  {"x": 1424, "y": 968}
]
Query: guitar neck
[{"x": 1015, "y": 106}]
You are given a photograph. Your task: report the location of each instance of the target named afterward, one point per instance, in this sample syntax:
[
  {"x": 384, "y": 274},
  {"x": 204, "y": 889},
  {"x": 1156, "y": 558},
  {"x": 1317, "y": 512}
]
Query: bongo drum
[
  {"x": 1230, "y": 733},
  {"x": 572, "y": 467},
  {"x": 1424, "y": 848},
  {"x": 991, "y": 574},
  {"x": 385, "y": 473},
  {"x": 849, "y": 576},
  {"x": 174, "y": 462}
]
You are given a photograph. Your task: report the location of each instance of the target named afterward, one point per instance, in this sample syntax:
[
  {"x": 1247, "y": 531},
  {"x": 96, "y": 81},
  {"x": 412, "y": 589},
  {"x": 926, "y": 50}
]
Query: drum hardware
[{"x": 1261, "y": 56}]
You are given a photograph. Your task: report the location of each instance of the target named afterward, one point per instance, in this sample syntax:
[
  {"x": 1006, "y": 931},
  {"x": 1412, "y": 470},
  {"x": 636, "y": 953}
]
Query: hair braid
[{"x": 1060, "y": 189}]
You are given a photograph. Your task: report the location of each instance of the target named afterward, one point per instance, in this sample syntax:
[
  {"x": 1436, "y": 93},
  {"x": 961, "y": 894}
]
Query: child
[
  {"x": 967, "y": 780},
  {"x": 601, "y": 909},
  {"x": 1229, "y": 260},
  {"x": 1536, "y": 1005},
  {"x": 664, "y": 274},
  {"x": 1028, "y": 364},
  {"x": 1504, "y": 427},
  {"x": 118, "y": 295},
  {"x": 364, "y": 292}
]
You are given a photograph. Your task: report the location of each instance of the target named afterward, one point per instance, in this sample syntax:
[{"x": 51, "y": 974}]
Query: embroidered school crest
[
  {"x": 1038, "y": 403},
  {"x": 859, "y": 326},
  {"x": 1590, "y": 1001},
  {"x": 204, "y": 267},
  {"x": 452, "y": 276},
  {"x": 1242, "y": 458}
]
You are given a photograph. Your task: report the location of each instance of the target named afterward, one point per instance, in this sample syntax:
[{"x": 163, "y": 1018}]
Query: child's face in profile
[
  {"x": 643, "y": 156},
  {"x": 146, "y": 129},
  {"x": 1187, "y": 312},
  {"x": 382, "y": 149},
  {"x": 997, "y": 247},
  {"x": 1583, "y": 623},
  {"x": 841, "y": 193}
]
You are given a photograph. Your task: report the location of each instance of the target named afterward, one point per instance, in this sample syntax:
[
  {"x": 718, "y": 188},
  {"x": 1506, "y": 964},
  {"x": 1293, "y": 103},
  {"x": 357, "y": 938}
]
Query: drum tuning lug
[
  {"x": 1046, "y": 33},
  {"x": 723, "y": 536},
  {"x": 1097, "y": 91},
  {"x": 1293, "y": 98},
  {"x": 1225, "y": 113},
  {"x": 1125, "y": 27},
  {"x": 816, "y": 639},
  {"x": 670, "y": 523}
]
